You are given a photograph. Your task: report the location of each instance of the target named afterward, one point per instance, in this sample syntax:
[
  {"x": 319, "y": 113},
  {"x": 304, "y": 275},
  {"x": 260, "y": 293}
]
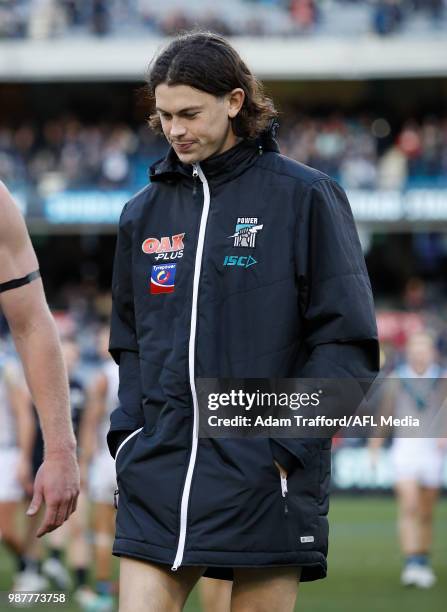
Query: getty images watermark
[{"x": 322, "y": 407}]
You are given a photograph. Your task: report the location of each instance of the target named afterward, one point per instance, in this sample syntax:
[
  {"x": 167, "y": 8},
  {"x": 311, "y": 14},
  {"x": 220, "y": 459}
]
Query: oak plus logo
[
  {"x": 246, "y": 231},
  {"x": 166, "y": 248}
]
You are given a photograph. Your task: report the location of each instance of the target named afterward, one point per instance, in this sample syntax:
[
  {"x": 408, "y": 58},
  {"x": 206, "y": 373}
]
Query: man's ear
[{"x": 235, "y": 101}]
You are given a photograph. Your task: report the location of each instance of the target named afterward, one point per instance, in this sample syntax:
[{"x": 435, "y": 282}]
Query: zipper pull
[
  {"x": 284, "y": 493},
  {"x": 195, "y": 174},
  {"x": 284, "y": 485}
]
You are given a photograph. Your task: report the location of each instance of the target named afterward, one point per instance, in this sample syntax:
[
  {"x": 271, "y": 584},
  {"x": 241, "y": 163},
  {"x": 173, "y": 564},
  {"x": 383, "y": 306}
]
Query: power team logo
[
  {"x": 163, "y": 278},
  {"x": 167, "y": 248},
  {"x": 245, "y": 232}
]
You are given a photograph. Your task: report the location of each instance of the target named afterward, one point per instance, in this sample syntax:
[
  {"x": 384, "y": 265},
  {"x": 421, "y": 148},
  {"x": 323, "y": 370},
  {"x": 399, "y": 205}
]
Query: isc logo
[{"x": 243, "y": 261}]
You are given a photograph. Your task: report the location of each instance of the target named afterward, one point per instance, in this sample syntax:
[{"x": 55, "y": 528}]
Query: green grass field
[{"x": 364, "y": 564}]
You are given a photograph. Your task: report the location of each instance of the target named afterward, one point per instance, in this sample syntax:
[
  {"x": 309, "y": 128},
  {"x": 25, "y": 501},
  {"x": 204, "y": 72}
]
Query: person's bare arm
[{"x": 34, "y": 332}]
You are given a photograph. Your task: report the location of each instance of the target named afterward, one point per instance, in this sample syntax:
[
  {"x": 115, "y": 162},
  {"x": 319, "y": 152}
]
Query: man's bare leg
[
  {"x": 104, "y": 527},
  {"x": 408, "y": 494},
  {"x": 265, "y": 590},
  {"x": 147, "y": 587},
  {"x": 428, "y": 498},
  {"x": 215, "y": 595},
  {"x": 8, "y": 527}
]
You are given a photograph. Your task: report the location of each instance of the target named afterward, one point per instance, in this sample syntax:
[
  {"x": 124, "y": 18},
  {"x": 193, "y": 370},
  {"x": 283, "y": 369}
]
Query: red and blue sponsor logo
[{"x": 163, "y": 278}]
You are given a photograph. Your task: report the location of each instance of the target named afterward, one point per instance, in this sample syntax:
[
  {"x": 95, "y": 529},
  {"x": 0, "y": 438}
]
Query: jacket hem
[{"x": 220, "y": 564}]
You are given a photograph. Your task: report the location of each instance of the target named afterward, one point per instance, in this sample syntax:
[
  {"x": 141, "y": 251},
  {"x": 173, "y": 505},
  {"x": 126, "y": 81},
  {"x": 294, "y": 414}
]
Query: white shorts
[
  {"x": 102, "y": 481},
  {"x": 418, "y": 459},
  {"x": 10, "y": 488}
]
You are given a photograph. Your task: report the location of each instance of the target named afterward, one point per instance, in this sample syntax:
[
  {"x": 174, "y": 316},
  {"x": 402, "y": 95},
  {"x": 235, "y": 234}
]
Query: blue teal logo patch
[{"x": 242, "y": 261}]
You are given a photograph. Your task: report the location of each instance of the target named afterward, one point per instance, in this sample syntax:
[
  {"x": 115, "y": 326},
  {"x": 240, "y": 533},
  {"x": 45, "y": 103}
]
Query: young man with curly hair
[{"x": 235, "y": 262}]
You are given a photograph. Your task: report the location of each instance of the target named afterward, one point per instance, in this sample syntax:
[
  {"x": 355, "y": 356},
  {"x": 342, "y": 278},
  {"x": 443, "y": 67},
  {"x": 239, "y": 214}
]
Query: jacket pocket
[{"x": 124, "y": 442}]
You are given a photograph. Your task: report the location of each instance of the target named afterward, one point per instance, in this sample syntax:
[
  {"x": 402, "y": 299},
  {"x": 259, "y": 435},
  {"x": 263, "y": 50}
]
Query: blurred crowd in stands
[
  {"x": 361, "y": 152},
  {"x": 39, "y": 19},
  {"x": 64, "y": 153}
]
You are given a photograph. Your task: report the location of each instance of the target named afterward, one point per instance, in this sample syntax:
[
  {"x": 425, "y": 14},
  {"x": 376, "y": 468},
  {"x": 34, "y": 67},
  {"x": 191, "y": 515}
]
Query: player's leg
[
  {"x": 11, "y": 495},
  {"x": 428, "y": 498},
  {"x": 104, "y": 528},
  {"x": 8, "y": 530},
  {"x": 409, "y": 525},
  {"x": 79, "y": 551},
  {"x": 407, "y": 494},
  {"x": 32, "y": 579},
  {"x": 54, "y": 566},
  {"x": 147, "y": 587},
  {"x": 431, "y": 480},
  {"x": 265, "y": 590},
  {"x": 427, "y": 501},
  {"x": 102, "y": 487},
  {"x": 215, "y": 595}
]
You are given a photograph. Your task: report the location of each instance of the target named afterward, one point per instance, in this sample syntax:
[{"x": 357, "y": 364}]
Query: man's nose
[{"x": 177, "y": 128}]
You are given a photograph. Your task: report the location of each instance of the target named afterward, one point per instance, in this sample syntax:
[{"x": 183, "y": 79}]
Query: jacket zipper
[
  {"x": 284, "y": 492},
  {"x": 197, "y": 172}
]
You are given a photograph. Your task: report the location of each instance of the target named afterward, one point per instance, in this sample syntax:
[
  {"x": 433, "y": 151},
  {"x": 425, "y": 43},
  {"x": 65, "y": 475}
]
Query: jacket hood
[{"x": 222, "y": 167}]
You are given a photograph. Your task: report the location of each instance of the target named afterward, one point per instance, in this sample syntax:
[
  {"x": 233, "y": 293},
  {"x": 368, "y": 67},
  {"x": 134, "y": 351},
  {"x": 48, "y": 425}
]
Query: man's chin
[
  {"x": 195, "y": 156},
  {"x": 188, "y": 158}
]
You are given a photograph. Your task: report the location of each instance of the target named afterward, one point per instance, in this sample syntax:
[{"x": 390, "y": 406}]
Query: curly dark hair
[{"x": 208, "y": 62}]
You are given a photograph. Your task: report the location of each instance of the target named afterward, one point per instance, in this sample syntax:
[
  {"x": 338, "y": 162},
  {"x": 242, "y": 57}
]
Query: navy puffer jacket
[{"x": 247, "y": 265}]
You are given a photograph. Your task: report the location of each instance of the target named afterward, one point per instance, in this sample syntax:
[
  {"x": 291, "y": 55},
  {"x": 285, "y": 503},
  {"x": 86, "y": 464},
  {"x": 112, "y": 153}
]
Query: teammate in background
[
  {"x": 34, "y": 575},
  {"x": 417, "y": 462},
  {"x": 102, "y": 400},
  {"x": 23, "y": 303},
  {"x": 33, "y": 578},
  {"x": 30, "y": 576},
  {"x": 16, "y": 441},
  {"x": 73, "y": 534}
]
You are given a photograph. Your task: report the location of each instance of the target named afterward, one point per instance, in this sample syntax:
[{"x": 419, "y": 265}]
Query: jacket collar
[{"x": 218, "y": 168}]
